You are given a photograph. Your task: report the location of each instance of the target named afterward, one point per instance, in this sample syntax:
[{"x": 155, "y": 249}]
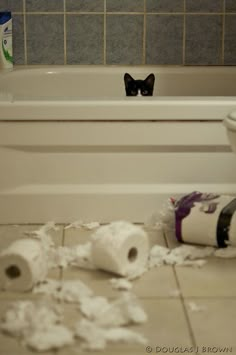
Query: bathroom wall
[{"x": 163, "y": 32}]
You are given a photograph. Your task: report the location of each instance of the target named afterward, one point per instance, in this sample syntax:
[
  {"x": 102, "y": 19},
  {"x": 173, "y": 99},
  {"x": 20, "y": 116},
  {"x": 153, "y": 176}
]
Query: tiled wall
[{"x": 179, "y": 32}]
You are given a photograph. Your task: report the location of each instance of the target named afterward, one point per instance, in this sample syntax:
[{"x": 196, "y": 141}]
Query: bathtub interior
[{"x": 63, "y": 83}]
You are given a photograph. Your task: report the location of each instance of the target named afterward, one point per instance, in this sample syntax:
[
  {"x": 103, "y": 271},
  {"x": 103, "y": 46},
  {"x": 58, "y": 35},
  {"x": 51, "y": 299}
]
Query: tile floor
[{"x": 172, "y": 326}]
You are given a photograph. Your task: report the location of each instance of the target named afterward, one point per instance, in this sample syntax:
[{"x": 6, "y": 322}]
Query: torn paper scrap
[
  {"x": 86, "y": 225},
  {"x": 42, "y": 235},
  {"x": 91, "y": 307},
  {"x": 195, "y": 307},
  {"x": 92, "y": 335},
  {"x": 83, "y": 256},
  {"x": 71, "y": 291},
  {"x": 95, "y": 337},
  {"x": 229, "y": 252},
  {"x": 54, "y": 336},
  {"x": 38, "y": 325},
  {"x": 185, "y": 255},
  {"x": 78, "y": 255},
  {"x": 123, "y": 311},
  {"x": 24, "y": 317},
  {"x": 121, "y": 284}
]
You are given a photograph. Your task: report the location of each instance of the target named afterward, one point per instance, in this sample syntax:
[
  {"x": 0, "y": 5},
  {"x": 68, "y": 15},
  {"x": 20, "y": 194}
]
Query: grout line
[
  {"x": 105, "y": 34},
  {"x": 25, "y": 34},
  {"x": 190, "y": 329},
  {"x": 181, "y": 298},
  {"x": 121, "y": 13},
  {"x": 223, "y": 34},
  {"x": 184, "y": 33},
  {"x": 144, "y": 32},
  {"x": 65, "y": 34}
]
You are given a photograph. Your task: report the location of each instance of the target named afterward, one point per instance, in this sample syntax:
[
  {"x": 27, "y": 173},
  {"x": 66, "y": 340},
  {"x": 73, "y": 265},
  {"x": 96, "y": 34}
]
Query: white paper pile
[
  {"x": 107, "y": 321},
  {"x": 121, "y": 284},
  {"x": 185, "y": 255},
  {"x": 86, "y": 225},
  {"x": 71, "y": 291},
  {"x": 123, "y": 311},
  {"x": 38, "y": 325},
  {"x": 96, "y": 338}
]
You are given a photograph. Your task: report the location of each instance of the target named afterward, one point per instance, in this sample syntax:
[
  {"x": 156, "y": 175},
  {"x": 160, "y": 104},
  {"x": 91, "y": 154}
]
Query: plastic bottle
[{"x": 6, "y": 59}]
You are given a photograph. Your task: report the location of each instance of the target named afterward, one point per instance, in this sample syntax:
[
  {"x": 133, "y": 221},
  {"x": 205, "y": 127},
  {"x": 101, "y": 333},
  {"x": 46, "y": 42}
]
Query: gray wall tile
[
  {"x": 85, "y": 39},
  {"x": 203, "y": 39},
  {"x": 124, "y": 39},
  {"x": 11, "y": 5},
  {"x": 85, "y": 5},
  {"x": 164, "y": 43},
  {"x": 124, "y": 32},
  {"x": 125, "y": 5},
  {"x": 45, "y": 39},
  {"x": 164, "y": 5},
  {"x": 204, "y": 5},
  {"x": 230, "y": 40},
  {"x": 44, "y": 5},
  {"x": 18, "y": 39},
  {"x": 230, "y": 5}
]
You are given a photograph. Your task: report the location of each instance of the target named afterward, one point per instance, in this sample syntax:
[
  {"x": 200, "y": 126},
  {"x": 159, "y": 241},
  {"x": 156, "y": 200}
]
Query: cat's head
[{"x": 139, "y": 87}]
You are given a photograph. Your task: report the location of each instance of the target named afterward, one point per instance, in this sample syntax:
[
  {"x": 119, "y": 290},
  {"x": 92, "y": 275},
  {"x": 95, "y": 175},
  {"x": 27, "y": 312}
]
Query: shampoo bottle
[{"x": 6, "y": 60}]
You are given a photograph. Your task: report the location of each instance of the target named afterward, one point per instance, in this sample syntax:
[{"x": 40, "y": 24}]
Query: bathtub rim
[{"x": 214, "y": 108}]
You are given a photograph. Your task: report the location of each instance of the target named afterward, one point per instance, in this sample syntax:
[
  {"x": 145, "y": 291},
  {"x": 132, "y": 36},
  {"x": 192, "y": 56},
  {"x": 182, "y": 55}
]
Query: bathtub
[{"x": 72, "y": 146}]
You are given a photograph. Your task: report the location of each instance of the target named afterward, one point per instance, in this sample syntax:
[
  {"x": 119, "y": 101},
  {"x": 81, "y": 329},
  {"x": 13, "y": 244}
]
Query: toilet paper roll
[
  {"x": 22, "y": 265},
  {"x": 121, "y": 248},
  {"x": 206, "y": 219}
]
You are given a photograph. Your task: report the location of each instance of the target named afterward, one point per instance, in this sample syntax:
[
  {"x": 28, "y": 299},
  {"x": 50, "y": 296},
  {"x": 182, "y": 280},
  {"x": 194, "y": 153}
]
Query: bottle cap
[{"x": 4, "y": 17}]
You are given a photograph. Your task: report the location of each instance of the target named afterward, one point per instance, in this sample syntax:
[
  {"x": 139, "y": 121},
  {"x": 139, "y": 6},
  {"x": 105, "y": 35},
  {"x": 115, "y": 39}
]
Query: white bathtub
[{"x": 72, "y": 146}]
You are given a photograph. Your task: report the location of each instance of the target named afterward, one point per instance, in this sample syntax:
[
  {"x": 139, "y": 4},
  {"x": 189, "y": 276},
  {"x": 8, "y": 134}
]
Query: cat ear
[
  {"x": 128, "y": 79},
  {"x": 150, "y": 79}
]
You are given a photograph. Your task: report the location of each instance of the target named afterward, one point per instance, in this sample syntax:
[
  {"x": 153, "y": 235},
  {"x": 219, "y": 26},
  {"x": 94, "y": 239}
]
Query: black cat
[{"x": 139, "y": 87}]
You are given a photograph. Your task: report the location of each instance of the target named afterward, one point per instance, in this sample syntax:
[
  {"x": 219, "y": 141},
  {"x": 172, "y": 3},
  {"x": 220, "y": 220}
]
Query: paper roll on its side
[
  {"x": 121, "y": 248},
  {"x": 22, "y": 265}
]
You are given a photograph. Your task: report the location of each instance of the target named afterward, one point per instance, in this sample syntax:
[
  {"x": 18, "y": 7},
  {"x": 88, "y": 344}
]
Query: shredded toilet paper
[
  {"x": 107, "y": 321},
  {"x": 229, "y": 252},
  {"x": 96, "y": 337},
  {"x": 54, "y": 336},
  {"x": 44, "y": 237},
  {"x": 71, "y": 291},
  {"x": 123, "y": 311},
  {"x": 80, "y": 224},
  {"x": 38, "y": 325},
  {"x": 196, "y": 308},
  {"x": 78, "y": 255},
  {"x": 185, "y": 255},
  {"x": 83, "y": 256},
  {"x": 121, "y": 284}
]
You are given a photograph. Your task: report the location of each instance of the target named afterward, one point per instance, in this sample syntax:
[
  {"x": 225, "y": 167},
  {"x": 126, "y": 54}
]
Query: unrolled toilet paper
[
  {"x": 121, "y": 248},
  {"x": 22, "y": 265}
]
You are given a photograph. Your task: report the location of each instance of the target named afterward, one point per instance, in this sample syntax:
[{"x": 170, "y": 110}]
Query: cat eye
[
  {"x": 144, "y": 92},
  {"x": 133, "y": 92}
]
